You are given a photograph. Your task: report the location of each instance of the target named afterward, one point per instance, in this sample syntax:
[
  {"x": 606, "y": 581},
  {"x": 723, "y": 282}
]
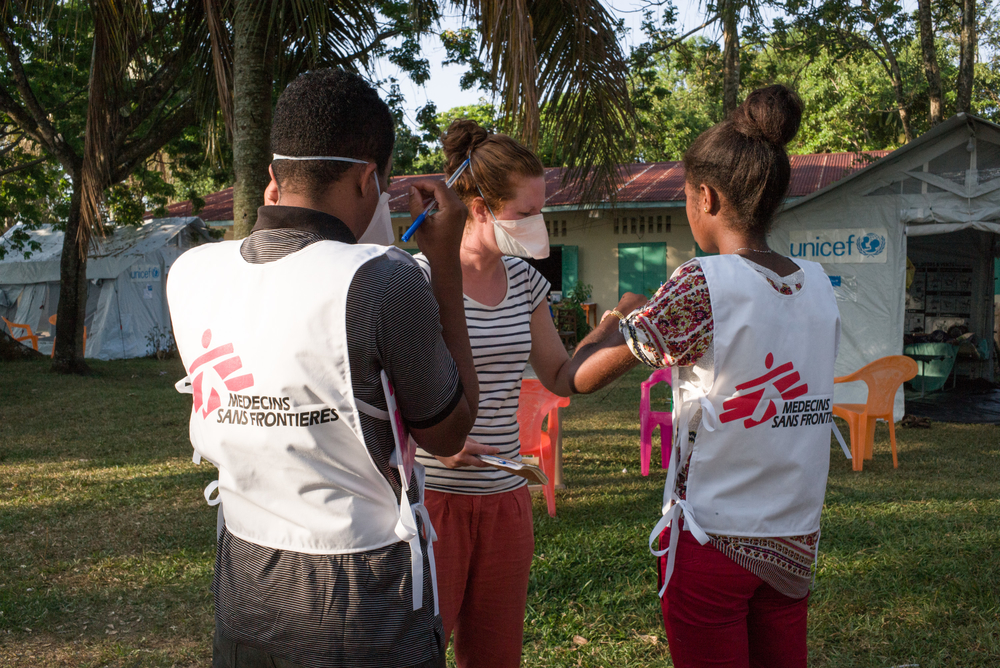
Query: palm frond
[
  {"x": 216, "y": 13},
  {"x": 508, "y": 36},
  {"x": 583, "y": 79},
  {"x": 117, "y": 25},
  {"x": 314, "y": 33}
]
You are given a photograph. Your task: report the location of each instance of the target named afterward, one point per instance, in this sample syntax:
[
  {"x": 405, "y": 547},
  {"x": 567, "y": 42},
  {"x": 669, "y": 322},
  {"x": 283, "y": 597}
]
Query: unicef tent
[
  {"x": 935, "y": 201},
  {"x": 126, "y": 302}
]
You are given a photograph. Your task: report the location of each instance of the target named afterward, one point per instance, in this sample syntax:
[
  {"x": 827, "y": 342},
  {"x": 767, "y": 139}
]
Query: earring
[{"x": 706, "y": 209}]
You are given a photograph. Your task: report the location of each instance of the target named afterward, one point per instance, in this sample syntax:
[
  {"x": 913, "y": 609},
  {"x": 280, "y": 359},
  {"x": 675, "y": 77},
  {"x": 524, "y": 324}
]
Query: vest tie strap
[
  {"x": 840, "y": 439},
  {"x": 371, "y": 411},
  {"x": 431, "y": 536},
  {"x": 677, "y": 509}
]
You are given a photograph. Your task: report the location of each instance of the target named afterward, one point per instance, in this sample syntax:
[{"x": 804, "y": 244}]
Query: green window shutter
[
  {"x": 630, "y": 263},
  {"x": 570, "y": 267},
  {"x": 641, "y": 268},
  {"x": 654, "y": 267}
]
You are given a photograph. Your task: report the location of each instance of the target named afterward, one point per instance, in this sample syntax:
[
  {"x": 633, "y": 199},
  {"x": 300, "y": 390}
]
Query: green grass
[{"x": 107, "y": 547}]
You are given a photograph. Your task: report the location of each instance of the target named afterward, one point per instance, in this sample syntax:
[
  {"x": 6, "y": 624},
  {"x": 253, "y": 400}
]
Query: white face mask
[
  {"x": 526, "y": 237},
  {"x": 379, "y": 230}
]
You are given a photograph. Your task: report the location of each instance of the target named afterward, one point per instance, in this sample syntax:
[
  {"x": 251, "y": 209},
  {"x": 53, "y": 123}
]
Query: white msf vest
[
  {"x": 759, "y": 462},
  {"x": 265, "y": 347}
]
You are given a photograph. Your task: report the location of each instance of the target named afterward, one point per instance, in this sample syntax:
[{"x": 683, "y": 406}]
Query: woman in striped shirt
[{"x": 483, "y": 515}]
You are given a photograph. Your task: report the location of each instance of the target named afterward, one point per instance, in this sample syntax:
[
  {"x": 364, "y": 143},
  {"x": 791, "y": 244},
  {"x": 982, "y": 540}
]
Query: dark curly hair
[
  {"x": 744, "y": 156},
  {"x": 330, "y": 113}
]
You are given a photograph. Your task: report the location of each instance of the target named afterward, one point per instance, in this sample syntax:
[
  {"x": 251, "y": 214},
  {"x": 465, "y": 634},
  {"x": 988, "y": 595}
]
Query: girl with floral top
[{"x": 752, "y": 337}]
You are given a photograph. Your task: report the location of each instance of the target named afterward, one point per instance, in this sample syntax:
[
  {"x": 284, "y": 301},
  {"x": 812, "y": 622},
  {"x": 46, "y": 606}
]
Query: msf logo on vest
[
  {"x": 785, "y": 379},
  {"x": 218, "y": 365}
]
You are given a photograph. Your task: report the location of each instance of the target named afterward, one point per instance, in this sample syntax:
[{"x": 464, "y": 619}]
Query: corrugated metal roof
[
  {"x": 655, "y": 182},
  {"x": 218, "y": 206}
]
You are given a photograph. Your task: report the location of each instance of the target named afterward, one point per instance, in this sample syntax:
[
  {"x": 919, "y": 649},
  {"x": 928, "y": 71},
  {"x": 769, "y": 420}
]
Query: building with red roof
[{"x": 632, "y": 244}]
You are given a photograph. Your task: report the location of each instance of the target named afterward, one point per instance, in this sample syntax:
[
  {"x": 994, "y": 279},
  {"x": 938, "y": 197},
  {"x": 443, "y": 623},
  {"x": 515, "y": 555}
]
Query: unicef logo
[{"x": 871, "y": 244}]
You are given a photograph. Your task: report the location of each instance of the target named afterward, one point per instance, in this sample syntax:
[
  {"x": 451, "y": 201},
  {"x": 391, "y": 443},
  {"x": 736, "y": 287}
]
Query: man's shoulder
[
  {"x": 200, "y": 259},
  {"x": 214, "y": 248},
  {"x": 393, "y": 273}
]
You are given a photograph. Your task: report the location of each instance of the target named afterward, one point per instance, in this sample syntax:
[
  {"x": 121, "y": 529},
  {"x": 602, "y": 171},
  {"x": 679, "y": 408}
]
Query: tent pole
[{"x": 121, "y": 331}]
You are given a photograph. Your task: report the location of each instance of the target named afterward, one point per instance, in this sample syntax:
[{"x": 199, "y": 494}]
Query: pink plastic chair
[
  {"x": 648, "y": 421},
  {"x": 535, "y": 403}
]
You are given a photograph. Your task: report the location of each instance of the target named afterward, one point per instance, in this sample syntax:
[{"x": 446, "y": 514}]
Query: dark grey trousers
[{"x": 228, "y": 654}]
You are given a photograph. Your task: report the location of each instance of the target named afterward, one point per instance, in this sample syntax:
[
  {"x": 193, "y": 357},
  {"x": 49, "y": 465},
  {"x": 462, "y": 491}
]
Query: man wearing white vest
[{"x": 314, "y": 348}]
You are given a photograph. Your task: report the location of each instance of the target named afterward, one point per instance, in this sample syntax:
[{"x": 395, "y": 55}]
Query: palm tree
[
  {"x": 139, "y": 72},
  {"x": 260, "y": 45},
  {"x": 562, "y": 56}
]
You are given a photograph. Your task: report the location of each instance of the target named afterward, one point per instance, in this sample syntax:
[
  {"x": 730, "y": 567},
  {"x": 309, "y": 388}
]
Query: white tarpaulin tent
[
  {"x": 126, "y": 299},
  {"x": 936, "y": 200}
]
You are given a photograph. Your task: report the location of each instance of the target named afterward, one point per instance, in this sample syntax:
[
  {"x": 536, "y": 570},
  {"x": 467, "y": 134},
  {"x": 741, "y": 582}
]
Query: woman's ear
[{"x": 478, "y": 210}]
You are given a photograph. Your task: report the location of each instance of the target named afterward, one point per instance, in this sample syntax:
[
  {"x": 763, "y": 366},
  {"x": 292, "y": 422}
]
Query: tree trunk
[
  {"x": 966, "y": 57},
  {"x": 897, "y": 85},
  {"x": 931, "y": 70},
  {"x": 254, "y": 48},
  {"x": 730, "y": 60},
  {"x": 72, "y": 310}
]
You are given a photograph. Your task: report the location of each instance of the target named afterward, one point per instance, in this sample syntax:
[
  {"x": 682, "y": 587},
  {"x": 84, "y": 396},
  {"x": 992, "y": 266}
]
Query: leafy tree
[
  {"x": 850, "y": 103},
  {"x": 95, "y": 88},
  {"x": 427, "y": 154},
  {"x": 678, "y": 96}
]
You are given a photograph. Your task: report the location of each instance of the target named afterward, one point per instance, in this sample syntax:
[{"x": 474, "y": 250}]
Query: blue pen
[{"x": 408, "y": 234}]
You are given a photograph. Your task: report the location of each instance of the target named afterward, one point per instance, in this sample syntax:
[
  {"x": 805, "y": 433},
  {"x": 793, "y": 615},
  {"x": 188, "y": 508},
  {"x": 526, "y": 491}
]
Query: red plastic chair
[
  {"x": 29, "y": 336},
  {"x": 650, "y": 419},
  {"x": 535, "y": 403}
]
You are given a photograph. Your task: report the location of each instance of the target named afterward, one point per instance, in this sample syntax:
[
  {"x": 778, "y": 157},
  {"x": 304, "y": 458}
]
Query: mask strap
[
  {"x": 275, "y": 156},
  {"x": 476, "y": 182}
]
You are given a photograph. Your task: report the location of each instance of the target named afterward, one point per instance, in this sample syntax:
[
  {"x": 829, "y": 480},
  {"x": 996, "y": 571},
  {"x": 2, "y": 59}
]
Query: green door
[
  {"x": 570, "y": 268},
  {"x": 642, "y": 268}
]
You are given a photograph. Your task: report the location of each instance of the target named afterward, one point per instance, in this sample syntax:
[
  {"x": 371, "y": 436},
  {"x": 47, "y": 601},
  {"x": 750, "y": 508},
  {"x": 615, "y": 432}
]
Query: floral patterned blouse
[{"x": 675, "y": 329}]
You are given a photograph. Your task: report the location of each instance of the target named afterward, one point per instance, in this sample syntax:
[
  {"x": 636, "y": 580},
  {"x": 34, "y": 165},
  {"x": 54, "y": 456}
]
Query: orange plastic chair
[
  {"x": 883, "y": 377},
  {"x": 536, "y": 402},
  {"x": 83, "y": 350},
  {"x": 27, "y": 328}
]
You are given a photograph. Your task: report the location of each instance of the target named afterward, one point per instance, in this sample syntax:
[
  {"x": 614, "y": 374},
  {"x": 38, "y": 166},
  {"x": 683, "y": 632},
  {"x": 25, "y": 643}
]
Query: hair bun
[
  {"x": 773, "y": 113},
  {"x": 461, "y": 137}
]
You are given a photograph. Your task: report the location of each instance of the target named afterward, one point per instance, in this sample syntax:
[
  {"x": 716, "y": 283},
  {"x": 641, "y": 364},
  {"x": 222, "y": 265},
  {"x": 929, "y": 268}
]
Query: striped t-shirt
[{"x": 501, "y": 342}]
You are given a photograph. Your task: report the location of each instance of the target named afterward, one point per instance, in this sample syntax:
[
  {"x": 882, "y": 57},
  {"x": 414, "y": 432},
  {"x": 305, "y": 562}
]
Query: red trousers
[
  {"x": 718, "y": 614},
  {"x": 483, "y": 555}
]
